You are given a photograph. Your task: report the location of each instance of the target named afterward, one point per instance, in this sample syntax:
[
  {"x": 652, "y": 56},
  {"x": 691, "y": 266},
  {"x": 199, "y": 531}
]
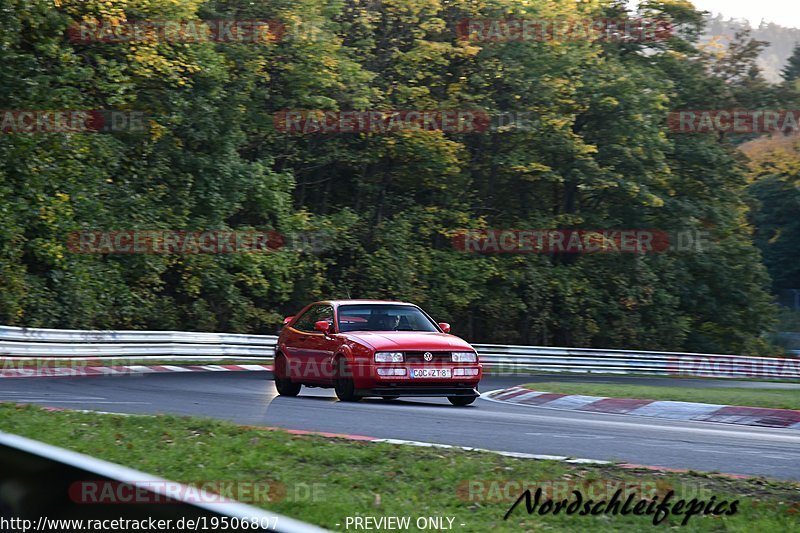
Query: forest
[{"x": 596, "y": 152}]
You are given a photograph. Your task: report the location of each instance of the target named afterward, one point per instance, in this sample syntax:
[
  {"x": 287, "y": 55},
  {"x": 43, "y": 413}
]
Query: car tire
[
  {"x": 461, "y": 401},
  {"x": 284, "y": 385},
  {"x": 343, "y": 385}
]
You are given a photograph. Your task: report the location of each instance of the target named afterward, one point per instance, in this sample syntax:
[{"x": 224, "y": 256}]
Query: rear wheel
[
  {"x": 461, "y": 401},
  {"x": 283, "y": 384},
  {"x": 343, "y": 385}
]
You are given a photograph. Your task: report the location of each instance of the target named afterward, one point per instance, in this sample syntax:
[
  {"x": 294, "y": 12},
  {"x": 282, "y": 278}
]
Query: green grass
[
  {"x": 774, "y": 398},
  {"x": 377, "y": 479}
]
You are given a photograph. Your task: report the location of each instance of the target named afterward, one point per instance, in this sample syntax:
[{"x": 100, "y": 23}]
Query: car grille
[{"x": 417, "y": 357}]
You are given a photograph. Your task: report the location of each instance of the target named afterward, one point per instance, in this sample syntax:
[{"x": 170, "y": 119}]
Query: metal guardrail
[
  {"x": 35, "y": 481},
  {"x": 75, "y": 344},
  {"x": 518, "y": 359},
  {"x": 86, "y": 344},
  {"x": 12, "y": 333}
]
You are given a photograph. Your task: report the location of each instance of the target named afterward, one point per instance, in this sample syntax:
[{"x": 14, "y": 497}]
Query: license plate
[{"x": 428, "y": 373}]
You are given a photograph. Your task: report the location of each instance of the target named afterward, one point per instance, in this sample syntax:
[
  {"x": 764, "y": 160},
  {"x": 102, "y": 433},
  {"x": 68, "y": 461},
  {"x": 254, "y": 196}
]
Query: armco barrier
[
  {"x": 75, "y": 344},
  {"x": 516, "y": 359},
  {"x": 78, "y": 344},
  {"x": 35, "y": 479}
]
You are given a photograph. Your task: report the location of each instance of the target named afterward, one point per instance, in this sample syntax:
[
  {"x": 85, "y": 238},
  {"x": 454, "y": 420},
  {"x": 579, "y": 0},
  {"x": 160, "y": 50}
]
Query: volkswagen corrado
[{"x": 375, "y": 348}]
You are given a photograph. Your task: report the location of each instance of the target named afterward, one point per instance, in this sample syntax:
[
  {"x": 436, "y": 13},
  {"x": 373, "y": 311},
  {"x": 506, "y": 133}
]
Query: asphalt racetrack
[{"x": 250, "y": 398}]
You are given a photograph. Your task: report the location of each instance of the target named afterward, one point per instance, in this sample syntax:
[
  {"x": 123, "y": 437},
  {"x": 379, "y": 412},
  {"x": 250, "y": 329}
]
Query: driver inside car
[{"x": 384, "y": 322}]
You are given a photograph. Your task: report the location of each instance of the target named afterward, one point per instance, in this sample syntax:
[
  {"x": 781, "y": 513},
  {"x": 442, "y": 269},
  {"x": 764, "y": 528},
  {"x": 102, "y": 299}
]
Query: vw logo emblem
[{"x": 428, "y": 356}]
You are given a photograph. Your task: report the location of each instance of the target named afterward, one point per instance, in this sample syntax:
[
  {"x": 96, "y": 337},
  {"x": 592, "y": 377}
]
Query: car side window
[
  {"x": 325, "y": 312},
  {"x": 306, "y": 321}
]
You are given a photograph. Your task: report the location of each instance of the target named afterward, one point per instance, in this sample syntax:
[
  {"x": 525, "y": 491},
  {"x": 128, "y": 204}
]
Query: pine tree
[{"x": 791, "y": 71}]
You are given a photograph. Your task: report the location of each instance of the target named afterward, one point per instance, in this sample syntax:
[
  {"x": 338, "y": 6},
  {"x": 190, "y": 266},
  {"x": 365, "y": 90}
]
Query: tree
[
  {"x": 775, "y": 176},
  {"x": 594, "y": 152},
  {"x": 791, "y": 72}
]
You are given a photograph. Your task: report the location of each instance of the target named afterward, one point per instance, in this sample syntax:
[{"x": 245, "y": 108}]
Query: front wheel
[
  {"x": 286, "y": 387},
  {"x": 461, "y": 401},
  {"x": 283, "y": 384},
  {"x": 343, "y": 385}
]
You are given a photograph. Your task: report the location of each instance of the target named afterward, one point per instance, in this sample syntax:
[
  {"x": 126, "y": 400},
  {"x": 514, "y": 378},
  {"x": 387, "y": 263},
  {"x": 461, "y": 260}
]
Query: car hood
[{"x": 410, "y": 340}]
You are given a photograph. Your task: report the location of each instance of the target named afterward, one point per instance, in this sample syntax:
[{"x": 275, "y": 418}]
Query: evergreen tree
[{"x": 791, "y": 72}]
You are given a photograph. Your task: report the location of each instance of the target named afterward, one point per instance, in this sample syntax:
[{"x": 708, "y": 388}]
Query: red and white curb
[
  {"x": 700, "y": 412},
  {"x": 123, "y": 370}
]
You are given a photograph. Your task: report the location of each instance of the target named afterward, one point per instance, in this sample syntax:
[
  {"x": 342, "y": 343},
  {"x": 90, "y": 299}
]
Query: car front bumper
[{"x": 430, "y": 390}]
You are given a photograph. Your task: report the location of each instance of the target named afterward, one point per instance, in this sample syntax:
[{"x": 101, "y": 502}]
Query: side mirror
[
  {"x": 287, "y": 319},
  {"x": 445, "y": 327},
  {"x": 322, "y": 325}
]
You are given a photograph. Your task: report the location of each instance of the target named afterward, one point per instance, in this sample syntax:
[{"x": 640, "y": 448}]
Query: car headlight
[
  {"x": 389, "y": 357},
  {"x": 395, "y": 371},
  {"x": 465, "y": 357}
]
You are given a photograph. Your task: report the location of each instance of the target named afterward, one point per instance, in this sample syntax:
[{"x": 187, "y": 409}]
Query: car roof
[{"x": 363, "y": 302}]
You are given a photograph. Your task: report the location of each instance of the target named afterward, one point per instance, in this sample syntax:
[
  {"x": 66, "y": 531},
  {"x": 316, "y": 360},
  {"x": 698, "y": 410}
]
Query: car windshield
[{"x": 383, "y": 317}]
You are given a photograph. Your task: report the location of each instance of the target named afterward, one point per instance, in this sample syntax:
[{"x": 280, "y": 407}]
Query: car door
[
  {"x": 320, "y": 348},
  {"x": 297, "y": 346}
]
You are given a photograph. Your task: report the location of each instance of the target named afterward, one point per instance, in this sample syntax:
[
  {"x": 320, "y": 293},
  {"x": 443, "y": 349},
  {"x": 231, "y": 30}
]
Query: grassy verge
[
  {"x": 326, "y": 480},
  {"x": 774, "y": 398}
]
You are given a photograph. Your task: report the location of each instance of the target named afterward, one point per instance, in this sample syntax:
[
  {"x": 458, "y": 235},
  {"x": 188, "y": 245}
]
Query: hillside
[{"x": 782, "y": 41}]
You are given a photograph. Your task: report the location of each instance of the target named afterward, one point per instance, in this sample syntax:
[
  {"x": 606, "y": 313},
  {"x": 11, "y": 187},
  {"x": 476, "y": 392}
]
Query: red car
[{"x": 374, "y": 348}]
